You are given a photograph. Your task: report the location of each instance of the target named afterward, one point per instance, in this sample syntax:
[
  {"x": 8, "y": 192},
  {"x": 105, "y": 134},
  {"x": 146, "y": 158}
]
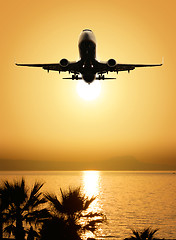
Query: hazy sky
[{"x": 42, "y": 117}]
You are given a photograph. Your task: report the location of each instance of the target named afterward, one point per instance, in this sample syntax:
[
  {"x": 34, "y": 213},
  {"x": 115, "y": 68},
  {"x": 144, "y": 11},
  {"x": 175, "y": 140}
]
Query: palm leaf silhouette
[
  {"x": 24, "y": 205},
  {"x": 145, "y": 234},
  {"x": 73, "y": 208}
]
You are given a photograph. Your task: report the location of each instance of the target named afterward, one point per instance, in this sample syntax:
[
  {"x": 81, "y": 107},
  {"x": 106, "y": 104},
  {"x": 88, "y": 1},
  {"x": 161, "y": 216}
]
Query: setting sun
[{"x": 88, "y": 91}]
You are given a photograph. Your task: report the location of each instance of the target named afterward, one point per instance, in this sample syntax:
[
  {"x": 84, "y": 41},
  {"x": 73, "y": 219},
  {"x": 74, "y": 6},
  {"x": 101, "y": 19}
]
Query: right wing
[
  {"x": 73, "y": 67},
  {"x": 103, "y": 67}
]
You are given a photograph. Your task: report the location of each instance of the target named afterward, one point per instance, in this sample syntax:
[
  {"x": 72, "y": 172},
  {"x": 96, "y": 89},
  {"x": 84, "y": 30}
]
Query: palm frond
[
  {"x": 145, "y": 234},
  {"x": 73, "y": 201},
  {"x": 93, "y": 214},
  {"x": 23, "y": 205},
  {"x": 10, "y": 229},
  {"x": 88, "y": 202},
  {"x": 35, "y": 199},
  {"x": 152, "y": 233},
  {"x": 18, "y": 192},
  {"x": 72, "y": 207},
  {"x": 4, "y": 199},
  {"x": 92, "y": 225},
  {"x": 52, "y": 198},
  {"x": 136, "y": 234},
  {"x": 37, "y": 216}
]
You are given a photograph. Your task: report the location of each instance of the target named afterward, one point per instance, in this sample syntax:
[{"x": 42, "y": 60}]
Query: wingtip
[
  {"x": 18, "y": 64},
  {"x": 162, "y": 60}
]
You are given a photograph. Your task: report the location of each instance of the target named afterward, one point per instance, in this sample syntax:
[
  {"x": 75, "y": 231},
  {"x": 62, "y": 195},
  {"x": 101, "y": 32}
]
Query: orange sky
[{"x": 42, "y": 117}]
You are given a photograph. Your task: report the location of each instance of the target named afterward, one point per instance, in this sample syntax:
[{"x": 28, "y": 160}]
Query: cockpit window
[{"x": 87, "y": 30}]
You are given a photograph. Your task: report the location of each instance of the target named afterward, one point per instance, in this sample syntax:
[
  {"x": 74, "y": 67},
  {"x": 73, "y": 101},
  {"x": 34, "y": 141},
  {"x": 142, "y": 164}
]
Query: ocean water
[{"x": 130, "y": 200}]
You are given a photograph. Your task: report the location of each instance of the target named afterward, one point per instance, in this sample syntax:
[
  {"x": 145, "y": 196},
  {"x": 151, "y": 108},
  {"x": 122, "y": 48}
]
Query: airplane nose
[
  {"x": 85, "y": 30},
  {"x": 86, "y": 36}
]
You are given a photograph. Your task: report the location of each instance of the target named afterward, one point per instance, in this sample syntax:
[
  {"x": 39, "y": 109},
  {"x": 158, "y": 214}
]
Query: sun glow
[{"x": 88, "y": 91}]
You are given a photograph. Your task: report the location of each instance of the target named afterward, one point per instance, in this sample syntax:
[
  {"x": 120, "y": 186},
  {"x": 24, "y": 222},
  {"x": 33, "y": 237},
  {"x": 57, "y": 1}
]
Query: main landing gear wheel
[
  {"x": 74, "y": 77},
  {"x": 101, "y": 77}
]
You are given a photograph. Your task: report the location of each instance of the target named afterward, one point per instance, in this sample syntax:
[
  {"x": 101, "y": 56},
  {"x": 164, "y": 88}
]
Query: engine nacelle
[
  {"x": 111, "y": 62},
  {"x": 64, "y": 62}
]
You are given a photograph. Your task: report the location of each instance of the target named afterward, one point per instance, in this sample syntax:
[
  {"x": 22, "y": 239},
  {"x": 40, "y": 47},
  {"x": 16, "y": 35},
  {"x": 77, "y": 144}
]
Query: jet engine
[
  {"x": 111, "y": 62},
  {"x": 64, "y": 62}
]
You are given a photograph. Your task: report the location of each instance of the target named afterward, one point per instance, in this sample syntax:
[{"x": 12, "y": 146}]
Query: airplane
[{"x": 88, "y": 66}]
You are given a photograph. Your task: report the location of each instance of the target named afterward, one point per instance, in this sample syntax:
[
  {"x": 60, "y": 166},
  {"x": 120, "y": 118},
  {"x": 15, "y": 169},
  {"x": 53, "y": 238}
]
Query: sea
[{"x": 130, "y": 200}]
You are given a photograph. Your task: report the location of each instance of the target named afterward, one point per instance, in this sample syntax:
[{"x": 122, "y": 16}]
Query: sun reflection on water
[
  {"x": 91, "y": 183},
  {"x": 91, "y": 188}
]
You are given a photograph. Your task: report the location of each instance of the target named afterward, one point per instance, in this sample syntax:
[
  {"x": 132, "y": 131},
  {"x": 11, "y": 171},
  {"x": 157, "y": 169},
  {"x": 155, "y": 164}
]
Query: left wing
[
  {"x": 73, "y": 67},
  {"x": 104, "y": 67}
]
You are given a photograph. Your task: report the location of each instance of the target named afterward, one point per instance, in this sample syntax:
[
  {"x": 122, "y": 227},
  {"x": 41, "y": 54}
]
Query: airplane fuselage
[{"x": 87, "y": 52}]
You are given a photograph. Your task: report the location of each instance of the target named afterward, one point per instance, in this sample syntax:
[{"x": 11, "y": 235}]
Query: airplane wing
[
  {"x": 73, "y": 67},
  {"x": 103, "y": 67}
]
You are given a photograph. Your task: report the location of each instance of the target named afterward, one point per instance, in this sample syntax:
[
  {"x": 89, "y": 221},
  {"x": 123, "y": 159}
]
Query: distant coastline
[{"x": 115, "y": 164}]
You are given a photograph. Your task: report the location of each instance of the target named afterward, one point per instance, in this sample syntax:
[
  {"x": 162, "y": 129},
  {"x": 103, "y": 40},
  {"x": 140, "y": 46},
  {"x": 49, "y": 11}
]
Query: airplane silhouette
[{"x": 88, "y": 66}]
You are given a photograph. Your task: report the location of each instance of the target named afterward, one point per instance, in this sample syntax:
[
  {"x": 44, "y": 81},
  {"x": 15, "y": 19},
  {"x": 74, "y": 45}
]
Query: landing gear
[
  {"x": 75, "y": 77},
  {"x": 101, "y": 77}
]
